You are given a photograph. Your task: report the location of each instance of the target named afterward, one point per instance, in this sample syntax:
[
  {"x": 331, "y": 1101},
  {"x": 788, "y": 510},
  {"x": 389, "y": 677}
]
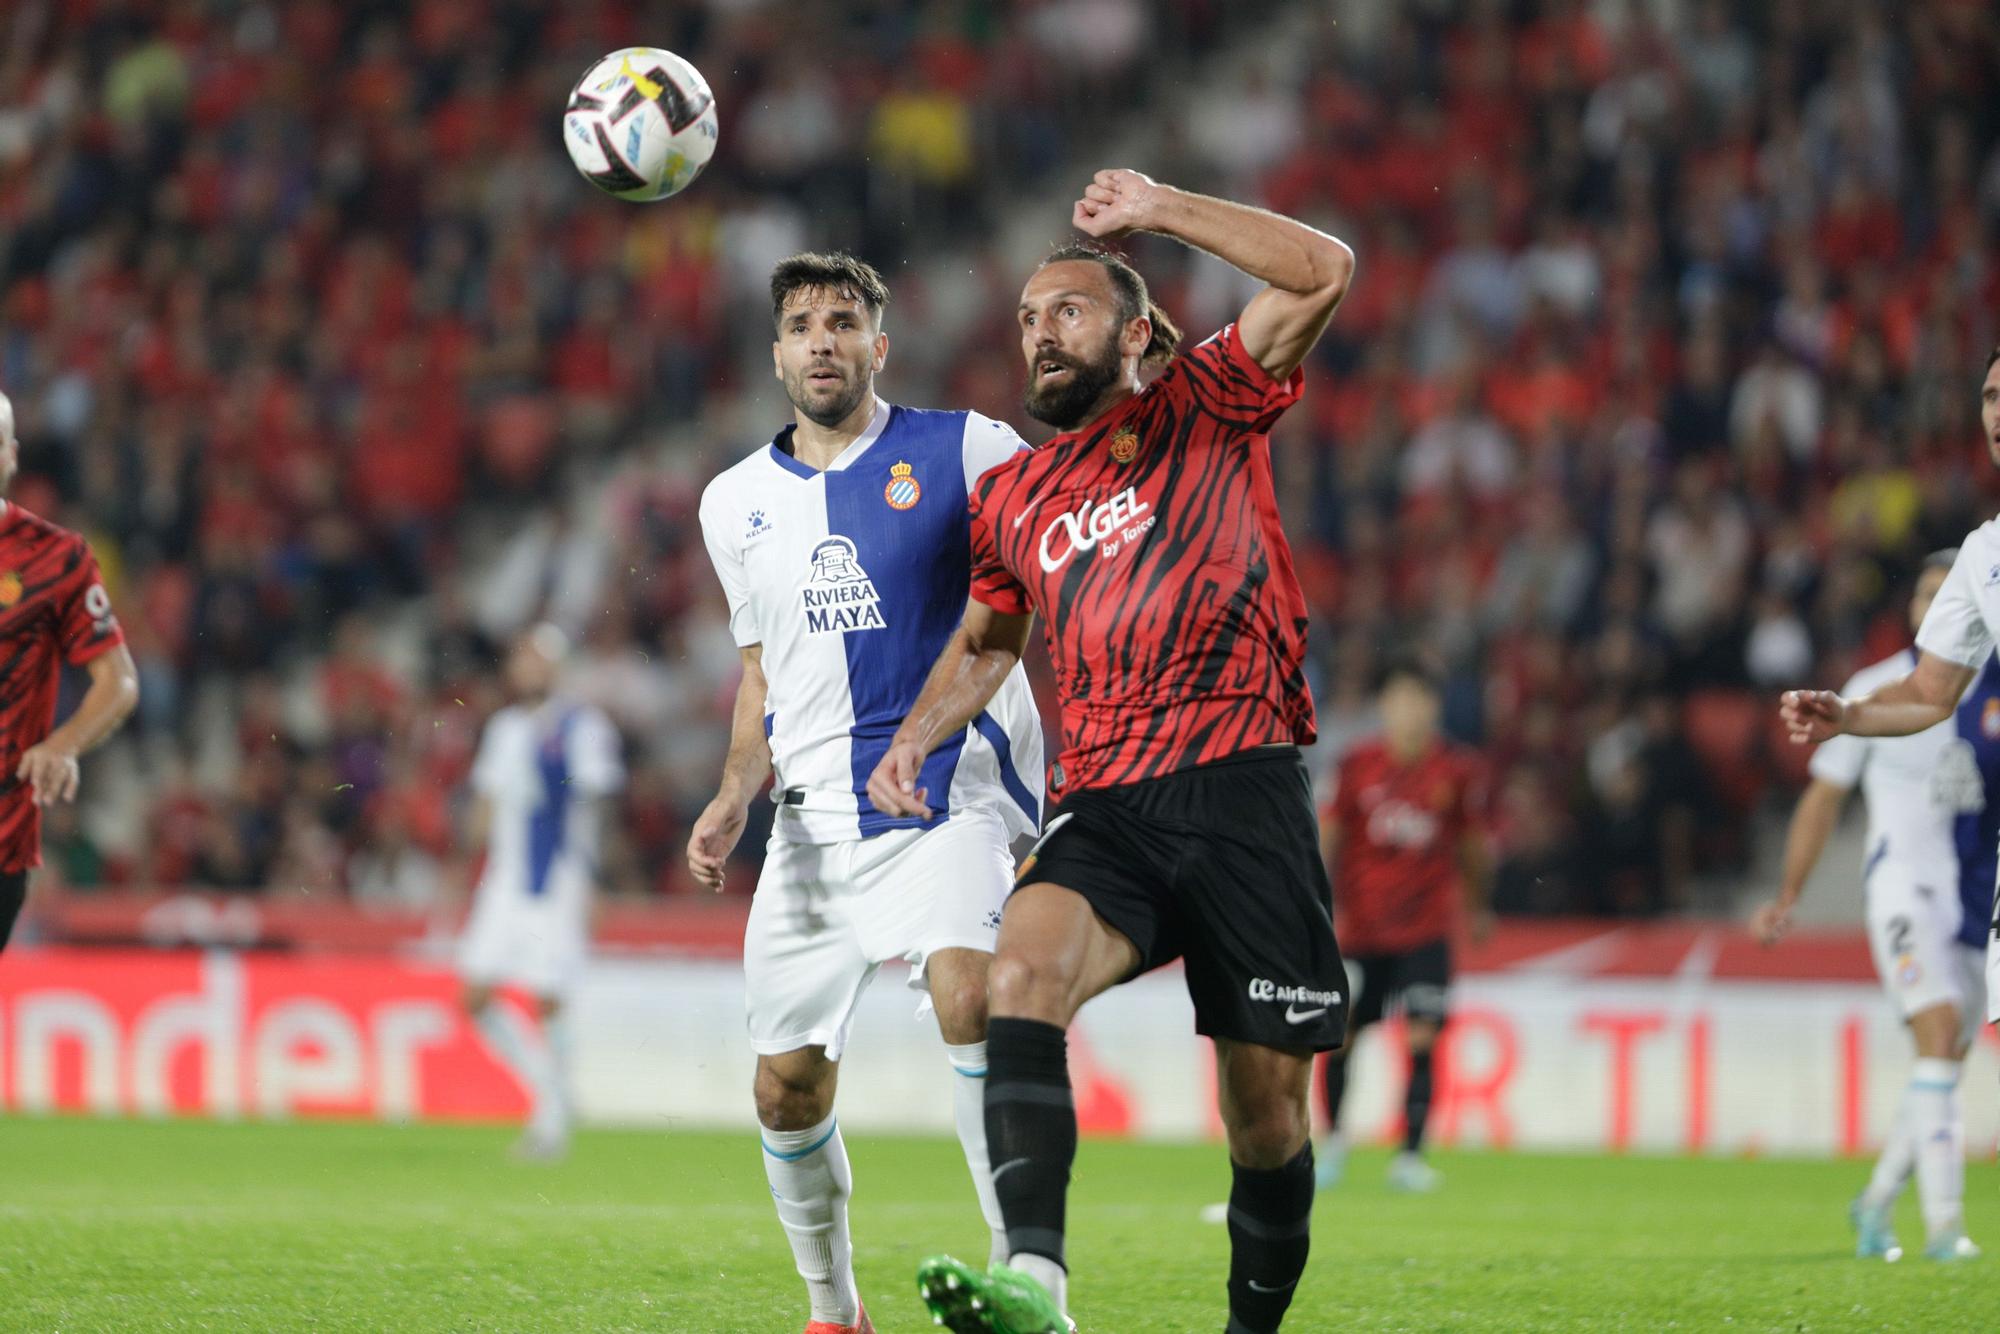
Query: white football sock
[
  {"x": 810, "y": 1182},
  {"x": 1046, "y": 1272},
  {"x": 1937, "y": 1130},
  {"x": 513, "y": 1037},
  {"x": 968, "y": 1109},
  {"x": 1892, "y": 1169},
  {"x": 558, "y": 1036}
]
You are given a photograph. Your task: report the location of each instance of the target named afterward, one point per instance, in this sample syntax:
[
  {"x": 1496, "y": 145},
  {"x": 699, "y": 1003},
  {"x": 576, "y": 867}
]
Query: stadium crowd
[{"x": 1649, "y": 393}]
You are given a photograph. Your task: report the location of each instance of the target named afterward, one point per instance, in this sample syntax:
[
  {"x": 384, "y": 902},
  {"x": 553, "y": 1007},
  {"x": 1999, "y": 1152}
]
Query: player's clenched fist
[
  {"x": 1812, "y": 715},
  {"x": 1116, "y": 202},
  {"x": 893, "y": 786},
  {"x": 713, "y": 839}
]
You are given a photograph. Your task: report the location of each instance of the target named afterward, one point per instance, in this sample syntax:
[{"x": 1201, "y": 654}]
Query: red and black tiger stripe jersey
[
  {"x": 53, "y": 609},
  {"x": 1149, "y": 541}
]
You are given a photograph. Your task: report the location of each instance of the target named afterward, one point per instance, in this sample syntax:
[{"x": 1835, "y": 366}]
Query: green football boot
[{"x": 998, "y": 1301}]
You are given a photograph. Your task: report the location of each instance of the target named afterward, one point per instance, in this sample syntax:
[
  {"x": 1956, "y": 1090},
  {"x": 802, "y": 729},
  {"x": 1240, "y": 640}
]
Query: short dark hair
[
  {"x": 1991, "y": 357},
  {"x": 1133, "y": 298},
  {"x": 1412, "y": 667},
  {"x": 834, "y": 271},
  {"x": 1941, "y": 559}
]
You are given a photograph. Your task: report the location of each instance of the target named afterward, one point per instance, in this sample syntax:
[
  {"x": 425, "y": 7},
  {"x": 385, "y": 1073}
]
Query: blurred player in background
[
  {"x": 53, "y": 610},
  {"x": 1927, "y": 910},
  {"x": 1148, "y": 534},
  {"x": 1913, "y": 699},
  {"x": 1402, "y": 835},
  {"x": 545, "y": 771},
  {"x": 843, "y": 552}
]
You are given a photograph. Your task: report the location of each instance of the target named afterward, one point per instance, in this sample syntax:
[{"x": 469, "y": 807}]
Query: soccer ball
[{"x": 640, "y": 124}]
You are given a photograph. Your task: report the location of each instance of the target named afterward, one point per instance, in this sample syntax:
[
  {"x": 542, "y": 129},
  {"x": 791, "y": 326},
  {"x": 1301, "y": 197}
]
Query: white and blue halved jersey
[
  {"x": 853, "y": 580},
  {"x": 536, "y": 767},
  {"x": 1916, "y": 787},
  {"x": 1977, "y": 722}
]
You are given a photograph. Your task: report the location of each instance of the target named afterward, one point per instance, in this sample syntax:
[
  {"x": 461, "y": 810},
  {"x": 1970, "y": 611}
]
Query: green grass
[{"x": 185, "y": 1226}]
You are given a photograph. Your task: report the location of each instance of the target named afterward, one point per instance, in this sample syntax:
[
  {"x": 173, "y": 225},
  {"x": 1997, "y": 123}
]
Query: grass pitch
[{"x": 188, "y": 1226}]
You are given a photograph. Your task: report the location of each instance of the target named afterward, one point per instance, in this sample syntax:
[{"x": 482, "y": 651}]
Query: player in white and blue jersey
[
  {"x": 1931, "y": 797},
  {"x": 545, "y": 769},
  {"x": 843, "y": 549}
]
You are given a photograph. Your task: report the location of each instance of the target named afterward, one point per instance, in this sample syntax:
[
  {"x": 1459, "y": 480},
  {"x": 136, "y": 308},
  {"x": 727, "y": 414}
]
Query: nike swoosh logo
[
  {"x": 1297, "y": 1016},
  {"x": 1021, "y": 518},
  {"x": 1007, "y": 1167},
  {"x": 1255, "y": 1286}
]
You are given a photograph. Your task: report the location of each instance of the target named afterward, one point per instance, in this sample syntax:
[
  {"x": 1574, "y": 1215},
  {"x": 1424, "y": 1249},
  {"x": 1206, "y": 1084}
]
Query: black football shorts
[
  {"x": 1218, "y": 865},
  {"x": 1415, "y": 981}
]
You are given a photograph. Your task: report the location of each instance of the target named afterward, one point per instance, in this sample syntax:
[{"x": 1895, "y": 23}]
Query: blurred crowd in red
[{"x": 1657, "y": 376}]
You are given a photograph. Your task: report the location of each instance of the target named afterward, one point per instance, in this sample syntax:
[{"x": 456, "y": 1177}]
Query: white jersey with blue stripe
[
  {"x": 534, "y": 767},
  {"x": 853, "y": 580},
  {"x": 1915, "y": 787}
]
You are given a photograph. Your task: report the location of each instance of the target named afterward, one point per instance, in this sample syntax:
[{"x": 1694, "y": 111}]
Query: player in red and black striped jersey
[
  {"x": 1147, "y": 535},
  {"x": 53, "y": 610},
  {"x": 1405, "y": 838}
]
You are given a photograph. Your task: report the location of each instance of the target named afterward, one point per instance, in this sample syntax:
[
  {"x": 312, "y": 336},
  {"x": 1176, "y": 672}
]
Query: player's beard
[
  {"x": 1063, "y": 405},
  {"x": 827, "y": 412}
]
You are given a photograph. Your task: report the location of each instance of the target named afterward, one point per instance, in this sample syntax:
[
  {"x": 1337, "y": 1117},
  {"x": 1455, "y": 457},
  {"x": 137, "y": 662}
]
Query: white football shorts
[
  {"x": 537, "y": 943},
  {"x": 1913, "y": 934},
  {"x": 827, "y": 915}
]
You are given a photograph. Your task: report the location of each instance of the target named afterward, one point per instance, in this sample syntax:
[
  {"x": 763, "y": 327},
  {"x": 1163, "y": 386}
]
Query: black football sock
[
  {"x": 1334, "y": 1081},
  {"x": 1417, "y": 1101},
  {"x": 13, "y": 893},
  {"x": 1270, "y": 1232},
  {"x": 1030, "y": 1131}
]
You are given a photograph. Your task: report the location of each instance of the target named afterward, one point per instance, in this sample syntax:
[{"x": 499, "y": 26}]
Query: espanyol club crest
[
  {"x": 902, "y": 491},
  {"x": 1989, "y": 716}
]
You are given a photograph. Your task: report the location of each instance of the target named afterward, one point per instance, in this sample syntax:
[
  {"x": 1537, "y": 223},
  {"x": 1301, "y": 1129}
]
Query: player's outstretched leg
[
  {"x": 1264, "y": 1109},
  {"x": 805, "y": 1161},
  {"x": 525, "y": 1050},
  {"x": 1407, "y": 1170},
  {"x": 1936, "y": 1123},
  {"x": 957, "y": 979},
  {"x": 1873, "y": 1211}
]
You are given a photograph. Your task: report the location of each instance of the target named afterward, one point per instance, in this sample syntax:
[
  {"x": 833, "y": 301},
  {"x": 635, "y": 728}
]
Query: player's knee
[
  {"x": 1420, "y": 1036},
  {"x": 1019, "y": 987},
  {"x": 1268, "y": 1134},
  {"x": 791, "y": 1097},
  {"x": 476, "y": 998},
  {"x": 961, "y": 1010}
]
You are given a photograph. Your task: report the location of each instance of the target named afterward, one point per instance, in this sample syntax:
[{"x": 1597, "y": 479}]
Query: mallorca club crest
[
  {"x": 902, "y": 491},
  {"x": 1124, "y": 445},
  {"x": 839, "y": 595},
  {"x": 10, "y": 588}
]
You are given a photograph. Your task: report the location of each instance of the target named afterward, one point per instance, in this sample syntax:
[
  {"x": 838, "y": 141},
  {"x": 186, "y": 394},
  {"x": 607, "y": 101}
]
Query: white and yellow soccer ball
[{"x": 641, "y": 124}]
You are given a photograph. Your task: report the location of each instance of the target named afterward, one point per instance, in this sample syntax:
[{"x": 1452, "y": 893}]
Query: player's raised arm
[
  {"x": 1307, "y": 270},
  {"x": 978, "y": 657},
  {"x": 743, "y": 773},
  {"x": 1924, "y": 698}
]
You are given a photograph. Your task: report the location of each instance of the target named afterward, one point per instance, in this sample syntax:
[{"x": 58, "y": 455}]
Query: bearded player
[
  {"x": 1955, "y": 639},
  {"x": 1928, "y": 880},
  {"x": 1147, "y": 533},
  {"x": 53, "y": 610},
  {"x": 843, "y": 551},
  {"x": 1402, "y": 834}
]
